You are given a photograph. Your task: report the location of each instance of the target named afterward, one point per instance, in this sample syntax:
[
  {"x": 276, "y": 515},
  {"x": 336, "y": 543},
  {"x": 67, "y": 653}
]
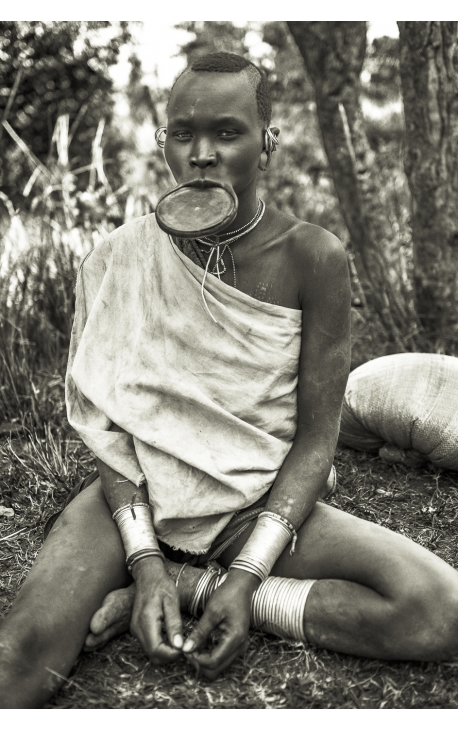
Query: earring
[
  {"x": 270, "y": 140},
  {"x": 157, "y": 136},
  {"x": 270, "y": 145}
]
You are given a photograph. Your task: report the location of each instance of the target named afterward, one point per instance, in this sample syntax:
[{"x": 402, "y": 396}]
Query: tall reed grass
[{"x": 40, "y": 252}]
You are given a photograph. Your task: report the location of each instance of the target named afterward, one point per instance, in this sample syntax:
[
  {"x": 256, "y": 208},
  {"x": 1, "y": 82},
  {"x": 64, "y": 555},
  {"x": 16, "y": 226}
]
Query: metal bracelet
[
  {"x": 135, "y": 523},
  {"x": 132, "y": 559},
  {"x": 278, "y": 607},
  {"x": 128, "y": 508},
  {"x": 264, "y": 546},
  {"x": 288, "y": 524},
  {"x": 206, "y": 585}
]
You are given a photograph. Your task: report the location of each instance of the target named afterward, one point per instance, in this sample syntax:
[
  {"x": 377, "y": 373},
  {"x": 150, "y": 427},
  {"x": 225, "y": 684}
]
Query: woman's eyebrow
[
  {"x": 216, "y": 120},
  {"x": 227, "y": 119},
  {"x": 180, "y": 121}
]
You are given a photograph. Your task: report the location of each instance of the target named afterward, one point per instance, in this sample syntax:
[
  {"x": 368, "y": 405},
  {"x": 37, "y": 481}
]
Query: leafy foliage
[{"x": 59, "y": 68}]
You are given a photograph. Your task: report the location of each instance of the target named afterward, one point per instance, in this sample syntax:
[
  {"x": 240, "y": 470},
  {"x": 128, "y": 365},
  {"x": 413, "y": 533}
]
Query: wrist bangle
[
  {"x": 209, "y": 582},
  {"x": 135, "y": 523},
  {"x": 132, "y": 559},
  {"x": 274, "y": 516},
  {"x": 131, "y": 507},
  {"x": 265, "y": 545}
]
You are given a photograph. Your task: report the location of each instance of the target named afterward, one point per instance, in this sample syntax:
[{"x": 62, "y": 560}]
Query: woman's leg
[
  {"x": 377, "y": 593},
  {"x": 81, "y": 561}
]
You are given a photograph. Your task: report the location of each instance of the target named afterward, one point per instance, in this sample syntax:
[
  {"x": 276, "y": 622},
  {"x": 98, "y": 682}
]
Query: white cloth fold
[{"x": 209, "y": 410}]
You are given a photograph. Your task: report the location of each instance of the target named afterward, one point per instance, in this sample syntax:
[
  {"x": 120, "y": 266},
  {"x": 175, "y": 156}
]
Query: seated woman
[{"x": 211, "y": 399}]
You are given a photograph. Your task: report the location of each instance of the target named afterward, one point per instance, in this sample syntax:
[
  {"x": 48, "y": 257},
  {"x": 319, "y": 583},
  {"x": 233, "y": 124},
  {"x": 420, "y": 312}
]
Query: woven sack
[{"x": 405, "y": 403}]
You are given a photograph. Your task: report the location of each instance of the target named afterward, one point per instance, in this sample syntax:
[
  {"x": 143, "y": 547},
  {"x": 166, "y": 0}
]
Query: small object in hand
[
  {"x": 6, "y": 512},
  {"x": 201, "y": 207}
]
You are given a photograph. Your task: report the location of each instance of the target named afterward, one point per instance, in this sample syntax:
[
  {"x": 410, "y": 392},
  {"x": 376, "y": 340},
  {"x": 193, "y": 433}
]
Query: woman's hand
[
  {"x": 228, "y": 610},
  {"x": 156, "y": 606}
]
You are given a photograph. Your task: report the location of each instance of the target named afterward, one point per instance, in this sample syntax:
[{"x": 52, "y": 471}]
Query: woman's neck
[{"x": 247, "y": 207}]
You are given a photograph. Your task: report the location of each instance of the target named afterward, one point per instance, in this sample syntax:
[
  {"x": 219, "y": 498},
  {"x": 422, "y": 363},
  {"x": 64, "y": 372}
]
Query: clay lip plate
[{"x": 197, "y": 208}]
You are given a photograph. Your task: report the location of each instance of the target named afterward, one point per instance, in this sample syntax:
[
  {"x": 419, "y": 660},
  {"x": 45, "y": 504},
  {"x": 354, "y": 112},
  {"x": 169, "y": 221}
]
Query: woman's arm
[
  {"x": 323, "y": 373},
  {"x": 156, "y": 597}
]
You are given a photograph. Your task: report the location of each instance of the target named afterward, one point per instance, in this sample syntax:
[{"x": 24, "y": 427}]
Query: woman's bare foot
[
  {"x": 114, "y": 615},
  {"x": 112, "y": 618}
]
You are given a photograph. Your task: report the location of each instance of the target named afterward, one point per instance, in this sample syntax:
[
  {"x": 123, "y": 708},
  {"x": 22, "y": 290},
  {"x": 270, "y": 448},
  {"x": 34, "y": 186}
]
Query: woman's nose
[{"x": 203, "y": 156}]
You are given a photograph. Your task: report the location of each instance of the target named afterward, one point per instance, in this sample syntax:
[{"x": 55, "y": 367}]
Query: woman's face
[{"x": 214, "y": 129}]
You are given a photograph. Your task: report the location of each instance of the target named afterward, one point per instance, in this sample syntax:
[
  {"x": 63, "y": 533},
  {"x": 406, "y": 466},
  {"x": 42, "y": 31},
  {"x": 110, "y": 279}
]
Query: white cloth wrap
[
  {"x": 209, "y": 410},
  {"x": 409, "y": 400}
]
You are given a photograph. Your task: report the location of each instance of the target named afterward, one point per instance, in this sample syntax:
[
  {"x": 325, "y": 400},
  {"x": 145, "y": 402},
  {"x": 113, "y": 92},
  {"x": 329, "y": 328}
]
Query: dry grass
[{"x": 36, "y": 475}]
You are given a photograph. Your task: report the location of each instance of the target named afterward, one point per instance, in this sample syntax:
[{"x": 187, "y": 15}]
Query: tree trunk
[
  {"x": 429, "y": 75},
  {"x": 333, "y": 54}
]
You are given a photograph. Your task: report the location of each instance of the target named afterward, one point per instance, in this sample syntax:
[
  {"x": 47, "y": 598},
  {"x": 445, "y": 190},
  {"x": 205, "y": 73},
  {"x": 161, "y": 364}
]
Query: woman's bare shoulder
[{"x": 309, "y": 244}]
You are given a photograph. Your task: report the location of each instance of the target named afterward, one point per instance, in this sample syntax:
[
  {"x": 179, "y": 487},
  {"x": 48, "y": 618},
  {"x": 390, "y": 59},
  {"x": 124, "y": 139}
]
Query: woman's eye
[
  {"x": 183, "y": 135},
  {"x": 227, "y": 134}
]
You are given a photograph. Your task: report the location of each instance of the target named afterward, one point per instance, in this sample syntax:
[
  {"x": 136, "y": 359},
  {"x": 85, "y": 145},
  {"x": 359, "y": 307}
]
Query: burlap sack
[{"x": 409, "y": 401}]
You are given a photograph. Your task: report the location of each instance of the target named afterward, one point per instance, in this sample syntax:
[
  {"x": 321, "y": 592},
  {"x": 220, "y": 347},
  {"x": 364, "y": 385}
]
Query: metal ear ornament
[
  {"x": 270, "y": 141},
  {"x": 270, "y": 145},
  {"x": 160, "y": 141}
]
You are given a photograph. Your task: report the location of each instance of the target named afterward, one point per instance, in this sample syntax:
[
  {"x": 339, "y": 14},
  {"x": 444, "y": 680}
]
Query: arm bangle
[
  {"x": 274, "y": 516},
  {"x": 132, "y": 559},
  {"x": 265, "y": 545},
  {"x": 135, "y": 523}
]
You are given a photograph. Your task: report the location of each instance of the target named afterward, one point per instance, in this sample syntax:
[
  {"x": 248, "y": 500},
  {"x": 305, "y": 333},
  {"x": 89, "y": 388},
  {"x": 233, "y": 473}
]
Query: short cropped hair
[{"x": 222, "y": 62}]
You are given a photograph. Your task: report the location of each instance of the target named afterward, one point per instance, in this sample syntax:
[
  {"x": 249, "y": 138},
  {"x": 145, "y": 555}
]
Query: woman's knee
[{"x": 423, "y": 619}]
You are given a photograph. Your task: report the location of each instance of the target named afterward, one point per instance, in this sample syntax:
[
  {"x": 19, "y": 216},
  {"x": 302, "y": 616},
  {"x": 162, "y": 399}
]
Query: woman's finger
[
  {"x": 147, "y": 628},
  {"x": 172, "y": 621},
  {"x": 199, "y": 636},
  {"x": 210, "y": 665}
]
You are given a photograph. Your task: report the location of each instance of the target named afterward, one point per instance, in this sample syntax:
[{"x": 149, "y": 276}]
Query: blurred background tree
[
  {"x": 429, "y": 73},
  {"x": 334, "y": 54},
  {"x": 56, "y": 68}
]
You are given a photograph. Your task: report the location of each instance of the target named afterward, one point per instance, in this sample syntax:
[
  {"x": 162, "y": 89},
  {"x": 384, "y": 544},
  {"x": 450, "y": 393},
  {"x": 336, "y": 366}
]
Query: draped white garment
[{"x": 209, "y": 410}]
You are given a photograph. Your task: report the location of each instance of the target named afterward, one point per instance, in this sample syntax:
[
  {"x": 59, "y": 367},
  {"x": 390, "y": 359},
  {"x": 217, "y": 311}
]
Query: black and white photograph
[{"x": 229, "y": 364}]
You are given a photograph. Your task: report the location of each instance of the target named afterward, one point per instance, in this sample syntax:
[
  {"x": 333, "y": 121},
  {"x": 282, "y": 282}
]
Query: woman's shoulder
[
  {"x": 120, "y": 244},
  {"x": 309, "y": 244}
]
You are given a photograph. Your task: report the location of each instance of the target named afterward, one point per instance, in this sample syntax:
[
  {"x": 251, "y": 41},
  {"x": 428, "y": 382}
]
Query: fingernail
[
  {"x": 189, "y": 646},
  {"x": 177, "y": 641}
]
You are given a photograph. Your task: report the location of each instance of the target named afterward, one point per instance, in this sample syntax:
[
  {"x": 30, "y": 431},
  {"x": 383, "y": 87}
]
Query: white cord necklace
[
  {"x": 220, "y": 267},
  {"x": 215, "y": 246}
]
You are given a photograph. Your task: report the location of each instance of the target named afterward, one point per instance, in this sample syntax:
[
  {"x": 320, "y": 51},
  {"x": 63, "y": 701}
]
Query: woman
[{"x": 211, "y": 399}]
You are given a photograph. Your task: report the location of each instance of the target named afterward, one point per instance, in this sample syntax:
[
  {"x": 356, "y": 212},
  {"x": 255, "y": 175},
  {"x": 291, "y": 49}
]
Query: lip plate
[{"x": 175, "y": 216}]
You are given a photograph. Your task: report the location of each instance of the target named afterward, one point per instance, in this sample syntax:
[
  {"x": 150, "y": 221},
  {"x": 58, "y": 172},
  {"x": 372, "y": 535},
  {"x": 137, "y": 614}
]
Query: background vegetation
[{"x": 368, "y": 151}]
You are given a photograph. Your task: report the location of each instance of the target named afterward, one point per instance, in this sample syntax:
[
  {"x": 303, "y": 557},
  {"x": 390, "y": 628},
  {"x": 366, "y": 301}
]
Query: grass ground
[{"x": 35, "y": 476}]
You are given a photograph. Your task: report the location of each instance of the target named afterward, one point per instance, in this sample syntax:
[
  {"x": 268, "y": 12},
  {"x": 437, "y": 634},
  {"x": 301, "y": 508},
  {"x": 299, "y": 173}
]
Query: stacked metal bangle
[
  {"x": 208, "y": 583},
  {"x": 135, "y": 523},
  {"x": 265, "y": 545},
  {"x": 278, "y": 607},
  {"x": 274, "y": 516}
]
